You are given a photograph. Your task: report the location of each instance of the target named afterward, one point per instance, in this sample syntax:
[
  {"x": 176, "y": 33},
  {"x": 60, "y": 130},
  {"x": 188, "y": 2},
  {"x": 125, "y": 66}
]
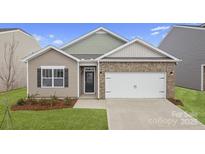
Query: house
[
  {"x": 101, "y": 64},
  {"x": 188, "y": 43},
  {"x": 22, "y": 43}
]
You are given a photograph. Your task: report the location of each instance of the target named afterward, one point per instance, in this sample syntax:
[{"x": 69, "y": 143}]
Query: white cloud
[
  {"x": 155, "y": 33},
  {"x": 51, "y": 36},
  {"x": 38, "y": 37},
  {"x": 160, "y": 28},
  {"x": 58, "y": 42}
]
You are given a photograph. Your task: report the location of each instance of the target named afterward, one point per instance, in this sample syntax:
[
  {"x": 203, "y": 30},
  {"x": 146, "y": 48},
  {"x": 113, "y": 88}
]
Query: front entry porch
[
  {"x": 88, "y": 96},
  {"x": 88, "y": 82}
]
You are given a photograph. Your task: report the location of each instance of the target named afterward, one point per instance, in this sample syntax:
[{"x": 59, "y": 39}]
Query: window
[
  {"x": 47, "y": 77},
  {"x": 52, "y": 76},
  {"x": 58, "y": 77}
]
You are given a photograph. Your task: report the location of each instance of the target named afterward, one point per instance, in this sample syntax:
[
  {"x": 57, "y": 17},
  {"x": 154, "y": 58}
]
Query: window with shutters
[{"x": 52, "y": 77}]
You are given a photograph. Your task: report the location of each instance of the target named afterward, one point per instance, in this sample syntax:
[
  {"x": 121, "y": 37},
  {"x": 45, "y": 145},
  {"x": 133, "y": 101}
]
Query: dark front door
[{"x": 89, "y": 82}]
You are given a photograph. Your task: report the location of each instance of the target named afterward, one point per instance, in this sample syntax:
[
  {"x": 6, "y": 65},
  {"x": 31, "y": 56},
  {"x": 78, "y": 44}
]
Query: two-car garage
[
  {"x": 137, "y": 70},
  {"x": 135, "y": 85}
]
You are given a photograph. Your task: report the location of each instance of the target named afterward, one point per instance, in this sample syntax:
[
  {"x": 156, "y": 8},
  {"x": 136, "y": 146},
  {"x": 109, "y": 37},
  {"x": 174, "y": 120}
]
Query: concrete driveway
[{"x": 154, "y": 114}]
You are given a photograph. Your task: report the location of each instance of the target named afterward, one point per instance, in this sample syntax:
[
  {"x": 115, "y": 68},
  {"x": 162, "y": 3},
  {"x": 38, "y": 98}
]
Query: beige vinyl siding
[
  {"x": 98, "y": 43},
  {"x": 136, "y": 50},
  {"x": 53, "y": 58},
  {"x": 26, "y": 44}
]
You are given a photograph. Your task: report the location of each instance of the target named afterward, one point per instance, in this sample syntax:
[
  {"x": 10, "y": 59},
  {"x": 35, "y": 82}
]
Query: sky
[{"x": 58, "y": 34}]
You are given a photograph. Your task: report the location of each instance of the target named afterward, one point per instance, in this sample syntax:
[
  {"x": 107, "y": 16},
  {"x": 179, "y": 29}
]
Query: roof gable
[
  {"x": 137, "y": 49},
  {"x": 91, "y": 33},
  {"x": 44, "y": 50},
  {"x": 99, "y": 41},
  {"x": 10, "y": 30}
]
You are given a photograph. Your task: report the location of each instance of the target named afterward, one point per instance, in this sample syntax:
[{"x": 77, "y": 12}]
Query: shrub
[
  {"x": 21, "y": 102},
  {"x": 43, "y": 101},
  {"x": 67, "y": 100},
  {"x": 31, "y": 98},
  {"x": 53, "y": 98}
]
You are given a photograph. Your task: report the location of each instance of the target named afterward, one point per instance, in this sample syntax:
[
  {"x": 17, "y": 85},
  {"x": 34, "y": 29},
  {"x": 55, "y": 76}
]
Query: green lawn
[
  {"x": 194, "y": 102},
  {"x": 63, "y": 119},
  {"x": 86, "y": 119}
]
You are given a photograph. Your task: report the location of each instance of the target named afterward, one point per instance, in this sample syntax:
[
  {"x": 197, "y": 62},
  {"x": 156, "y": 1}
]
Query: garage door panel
[{"x": 135, "y": 85}]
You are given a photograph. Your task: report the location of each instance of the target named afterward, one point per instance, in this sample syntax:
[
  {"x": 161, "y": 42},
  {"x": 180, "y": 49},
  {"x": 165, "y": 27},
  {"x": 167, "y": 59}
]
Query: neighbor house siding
[
  {"x": 24, "y": 45},
  {"x": 187, "y": 44},
  {"x": 136, "y": 50},
  {"x": 53, "y": 58},
  {"x": 138, "y": 67},
  {"x": 98, "y": 43}
]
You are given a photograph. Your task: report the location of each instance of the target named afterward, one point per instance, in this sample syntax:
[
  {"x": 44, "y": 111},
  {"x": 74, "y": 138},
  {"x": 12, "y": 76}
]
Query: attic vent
[{"x": 100, "y": 32}]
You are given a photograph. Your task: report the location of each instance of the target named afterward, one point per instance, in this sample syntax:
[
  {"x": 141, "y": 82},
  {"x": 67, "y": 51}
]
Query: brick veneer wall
[{"x": 139, "y": 67}]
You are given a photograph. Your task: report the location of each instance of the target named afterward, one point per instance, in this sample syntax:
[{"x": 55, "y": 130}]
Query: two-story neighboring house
[
  {"x": 187, "y": 43},
  {"x": 23, "y": 43}
]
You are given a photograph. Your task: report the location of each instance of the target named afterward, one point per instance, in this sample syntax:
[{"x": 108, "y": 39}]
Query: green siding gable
[{"x": 97, "y": 43}]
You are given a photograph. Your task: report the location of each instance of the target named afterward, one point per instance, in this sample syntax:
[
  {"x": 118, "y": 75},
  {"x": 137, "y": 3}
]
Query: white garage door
[{"x": 135, "y": 85}]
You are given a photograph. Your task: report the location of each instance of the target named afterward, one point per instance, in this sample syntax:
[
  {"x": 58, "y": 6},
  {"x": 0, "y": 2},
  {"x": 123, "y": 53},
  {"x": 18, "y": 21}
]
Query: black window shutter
[
  {"x": 66, "y": 77},
  {"x": 38, "y": 77}
]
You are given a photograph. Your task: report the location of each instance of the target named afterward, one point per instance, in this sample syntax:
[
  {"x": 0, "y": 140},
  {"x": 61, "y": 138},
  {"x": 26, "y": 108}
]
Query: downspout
[
  {"x": 27, "y": 84},
  {"x": 98, "y": 80},
  {"x": 78, "y": 95}
]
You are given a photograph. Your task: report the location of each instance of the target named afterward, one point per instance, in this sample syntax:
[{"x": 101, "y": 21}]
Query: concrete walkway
[
  {"x": 142, "y": 114},
  {"x": 91, "y": 104},
  {"x": 148, "y": 114}
]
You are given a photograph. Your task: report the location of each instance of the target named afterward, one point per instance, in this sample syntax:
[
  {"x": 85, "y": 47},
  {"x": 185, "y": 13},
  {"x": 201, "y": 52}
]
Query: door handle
[{"x": 135, "y": 86}]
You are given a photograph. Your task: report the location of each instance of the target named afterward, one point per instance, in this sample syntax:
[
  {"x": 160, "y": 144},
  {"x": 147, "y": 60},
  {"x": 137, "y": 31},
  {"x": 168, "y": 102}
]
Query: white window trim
[{"x": 53, "y": 68}]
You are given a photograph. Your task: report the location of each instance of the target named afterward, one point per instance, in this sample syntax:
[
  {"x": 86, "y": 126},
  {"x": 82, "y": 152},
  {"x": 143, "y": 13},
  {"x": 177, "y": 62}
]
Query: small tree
[
  {"x": 8, "y": 70},
  {"x": 7, "y": 121}
]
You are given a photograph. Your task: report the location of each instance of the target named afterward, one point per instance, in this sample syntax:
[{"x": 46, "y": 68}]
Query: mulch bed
[
  {"x": 176, "y": 101},
  {"x": 59, "y": 104}
]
